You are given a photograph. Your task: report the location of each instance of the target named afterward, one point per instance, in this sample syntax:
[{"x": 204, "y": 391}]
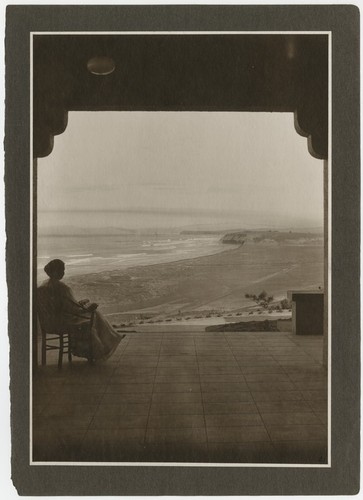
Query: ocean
[{"x": 92, "y": 254}]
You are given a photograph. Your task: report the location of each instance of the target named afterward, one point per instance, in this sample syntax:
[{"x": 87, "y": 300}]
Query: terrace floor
[{"x": 187, "y": 396}]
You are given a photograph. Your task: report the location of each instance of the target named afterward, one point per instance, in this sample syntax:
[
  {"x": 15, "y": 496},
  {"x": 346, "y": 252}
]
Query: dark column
[{"x": 34, "y": 266}]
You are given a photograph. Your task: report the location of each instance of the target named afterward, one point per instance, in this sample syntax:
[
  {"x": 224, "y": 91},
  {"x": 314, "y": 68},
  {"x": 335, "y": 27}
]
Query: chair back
[{"x": 47, "y": 309}]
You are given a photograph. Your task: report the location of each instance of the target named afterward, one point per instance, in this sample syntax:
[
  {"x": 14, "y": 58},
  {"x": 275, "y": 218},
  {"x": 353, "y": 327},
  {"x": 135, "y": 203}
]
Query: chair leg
[
  {"x": 60, "y": 357},
  {"x": 69, "y": 349},
  {"x": 44, "y": 348}
]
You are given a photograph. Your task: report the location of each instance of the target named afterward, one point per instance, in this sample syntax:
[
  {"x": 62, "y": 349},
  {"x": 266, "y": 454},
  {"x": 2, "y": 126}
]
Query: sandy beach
[{"x": 203, "y": 289}]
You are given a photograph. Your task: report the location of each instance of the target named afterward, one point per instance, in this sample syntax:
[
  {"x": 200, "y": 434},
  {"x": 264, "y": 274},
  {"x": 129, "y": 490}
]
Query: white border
[
  {"x": 183, "y": 464},
  {"x": 329, "y": 223}
]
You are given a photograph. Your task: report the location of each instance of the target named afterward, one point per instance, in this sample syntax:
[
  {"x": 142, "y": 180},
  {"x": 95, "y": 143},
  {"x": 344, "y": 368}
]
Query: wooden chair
[{"x": 56, "y": 338}]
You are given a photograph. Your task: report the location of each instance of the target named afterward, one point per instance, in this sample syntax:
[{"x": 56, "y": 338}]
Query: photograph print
[{"x": 181, "y": 235}]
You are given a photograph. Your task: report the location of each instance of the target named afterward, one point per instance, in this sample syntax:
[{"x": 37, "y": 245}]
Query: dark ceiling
[{"x": 183, "y": 73}]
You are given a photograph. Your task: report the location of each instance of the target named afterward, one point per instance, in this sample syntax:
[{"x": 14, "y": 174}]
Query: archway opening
[{"x": 183, "y": 218}]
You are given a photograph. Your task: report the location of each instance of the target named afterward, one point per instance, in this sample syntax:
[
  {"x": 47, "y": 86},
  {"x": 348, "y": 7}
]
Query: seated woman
[{"x": 71, "y": 313}]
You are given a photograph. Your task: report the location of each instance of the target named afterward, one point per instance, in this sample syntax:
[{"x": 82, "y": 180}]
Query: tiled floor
[{"x": 187, "y": 397}]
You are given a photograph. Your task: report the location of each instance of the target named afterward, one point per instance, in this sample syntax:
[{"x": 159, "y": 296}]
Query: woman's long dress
[{"x": 72, "y": 315}]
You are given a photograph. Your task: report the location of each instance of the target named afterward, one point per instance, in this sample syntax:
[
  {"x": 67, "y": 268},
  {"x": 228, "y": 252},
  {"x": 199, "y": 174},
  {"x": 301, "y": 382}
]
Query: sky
[{"x": 180, "y": 169}]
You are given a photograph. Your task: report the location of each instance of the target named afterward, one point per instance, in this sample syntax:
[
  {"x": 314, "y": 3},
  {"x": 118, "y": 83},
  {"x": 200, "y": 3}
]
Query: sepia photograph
[
  {"x": 182, "y": 216},
  {"x": 179, "y": 253}
]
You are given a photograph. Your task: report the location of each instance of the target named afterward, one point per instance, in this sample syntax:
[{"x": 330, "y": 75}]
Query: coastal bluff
[{"x": 234, "y": 238}]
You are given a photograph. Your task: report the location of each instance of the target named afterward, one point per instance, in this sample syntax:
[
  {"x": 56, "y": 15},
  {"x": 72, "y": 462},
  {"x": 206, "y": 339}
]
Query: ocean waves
[{"x": 96, "y": 254}]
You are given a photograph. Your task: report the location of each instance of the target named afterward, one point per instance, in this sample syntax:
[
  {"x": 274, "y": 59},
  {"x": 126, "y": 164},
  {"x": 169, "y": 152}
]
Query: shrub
[{"x": 263, "y": 299}]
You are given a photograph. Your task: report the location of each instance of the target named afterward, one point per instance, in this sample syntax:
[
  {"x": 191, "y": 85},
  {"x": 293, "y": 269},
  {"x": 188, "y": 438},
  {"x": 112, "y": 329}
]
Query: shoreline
[
  {"x": 139, "y": 266},
  {"x": 132, "y": 266}
]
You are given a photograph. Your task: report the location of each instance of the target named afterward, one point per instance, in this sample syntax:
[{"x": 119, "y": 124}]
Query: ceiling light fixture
[{"x": 101, "y": 65}]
